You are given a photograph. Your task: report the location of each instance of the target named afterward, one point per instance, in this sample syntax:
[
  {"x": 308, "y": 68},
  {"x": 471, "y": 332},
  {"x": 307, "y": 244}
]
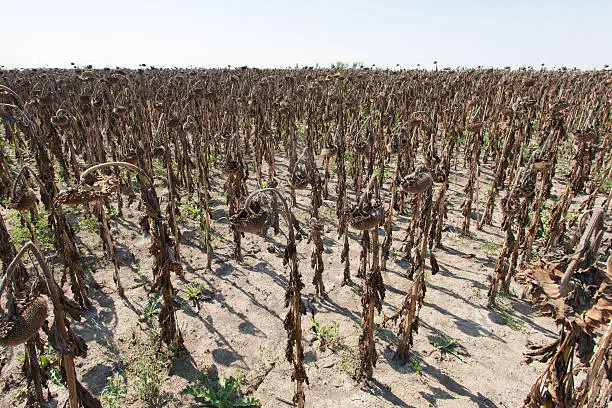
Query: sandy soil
[{"x": 240, "y": 331}]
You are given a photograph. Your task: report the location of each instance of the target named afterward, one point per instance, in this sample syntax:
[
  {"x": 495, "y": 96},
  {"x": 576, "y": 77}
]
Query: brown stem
[
  {"x": 299, "y": 373},
  {"x": 58, "y": 314},
  {"x": 414, "y": 298},
  {"x": 585, "y": 246}
]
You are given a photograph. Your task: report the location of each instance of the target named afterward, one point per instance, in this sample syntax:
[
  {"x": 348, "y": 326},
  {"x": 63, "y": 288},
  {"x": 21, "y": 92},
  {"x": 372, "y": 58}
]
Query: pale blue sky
[{"x": 282, "y": 33}]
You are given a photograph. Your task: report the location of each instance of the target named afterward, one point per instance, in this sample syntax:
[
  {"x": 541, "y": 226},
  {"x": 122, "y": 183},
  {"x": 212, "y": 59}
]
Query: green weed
[
  {"x": 148, "y": 370},
  {"x": 490, "y": 247},
  {"x": 545, "y": 220},
  {"x": 40, "y": 224},
  {"x": 196, "y": 294},
  {"x": 511, "y": 321},
  {"x": 385, "y": 172},
  {"x": 20, "y": 394},
  {"x": 49, "y": 361},
  {"x": 114, "y": 392},
  {"x": 90, "y": 222},
  {"x": 327, "y": 335},
  {"x": 416, "y": 365},
  {"x": 191, "y": 210},
  {"x": 220, "y": 392},
  {"x": 393, "y": 254},
  {"x": 20, "y": 356},
  {"x": 447, "y": 346},
  {"x": 151, "y": 309},
  {"x": 139, "y": 272},
  {"x": 349, "y": 361},
  {"x": 114, "y": 212}
]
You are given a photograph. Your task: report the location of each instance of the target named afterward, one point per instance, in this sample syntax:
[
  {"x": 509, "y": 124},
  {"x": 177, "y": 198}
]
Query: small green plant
[
  {"x": 529, "y": 151},
  {"x": 476, "y": 293},
  {"x": 506, "y": 295},
  {"x": 571, "y": 216},
  {"x": 20, "y": 356},
  {"x": 447, "y": 346},
  {"x": 545, "y": 220},
  {"x": 90, "y": 222},
  {"x": 300, "y": 128},
  {"x": 214, "y": 238},
  {"x": 261, "y": 357},
  {"x": 485, "y": 141},
  {"x": 20, "y": 394},
  {"x": 347, "y": 156},
  {"x": 114, "y": 392},
  {"x": 114, "y": 212},
  {"x": 196, "y": 294},
  {"x": 327, "y": 335},
  {"x": 393, "y": 254},
  {"x": 510, "y": 320},
  {"x": 150, "y": 309},
  {"x": 357, "y": 289},
  {"x": 220, "y": 392},
  {"x": 40, "y": 225},
  {"x": 194, "y": 290},
  {"x": 73, "y": 221},
  {"x": 490, "y": 247},
  {"x": 191, "y": 210},
  {"x": 49, "y": 362},
  {"x": 148, "y": 369},
  {"x": 349, "y": 361},
  {"x": 139, "y": 272},
  {"x": 111, "y": 350},
  {"x": 159, "y": 171},
  {"x": 385, "y": 172},
  {"x": 606, "y": 185},
  {"x": 416, "y": 365}
]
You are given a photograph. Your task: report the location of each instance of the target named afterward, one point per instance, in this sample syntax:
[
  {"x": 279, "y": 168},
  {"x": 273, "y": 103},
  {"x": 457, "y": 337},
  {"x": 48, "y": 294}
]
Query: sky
[{"x": 274, "y": 33}]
